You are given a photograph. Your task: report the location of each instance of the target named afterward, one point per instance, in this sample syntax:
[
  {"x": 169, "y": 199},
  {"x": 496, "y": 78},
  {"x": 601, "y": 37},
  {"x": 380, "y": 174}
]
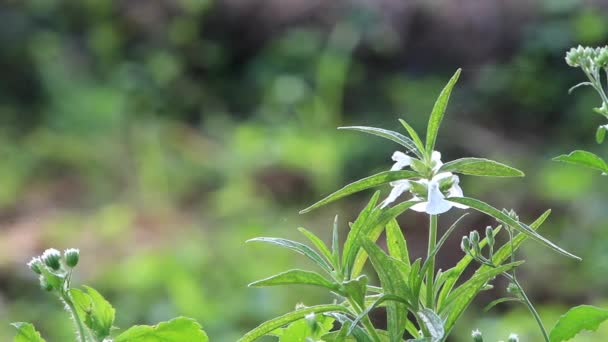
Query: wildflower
[
  {"x": 432, "y": 200},
  {"x": 35, "y": 265}
]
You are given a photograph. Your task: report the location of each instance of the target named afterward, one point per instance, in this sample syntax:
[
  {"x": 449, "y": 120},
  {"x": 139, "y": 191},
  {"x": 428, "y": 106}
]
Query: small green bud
[
  {"x": 35, "y": 265},
  {"x": 601, "y": 58},
  {"x": 45, "y": 285},
  {"x": 446, "y": 183},
  {"x": 490, "y": 236},
  {"x": 513, "y": 289},
  {"x": 601, "y": 134},
  {"x": 51, "y": 257},
  {"x": 513, "y": 338},
  {"x": 476, "y": 335},
  {"x": 72, "y": 255},
  {"x": 474, "y": 236},
  {"x": 465, "y": 245},
  {"x": 419, "y": 189}
]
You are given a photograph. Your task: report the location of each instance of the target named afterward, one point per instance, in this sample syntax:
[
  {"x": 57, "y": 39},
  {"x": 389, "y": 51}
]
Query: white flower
[
  {"x": 436, "y": 160},
  {"x": 401, "y": 160},
  {"x": 436, "y": 202}
]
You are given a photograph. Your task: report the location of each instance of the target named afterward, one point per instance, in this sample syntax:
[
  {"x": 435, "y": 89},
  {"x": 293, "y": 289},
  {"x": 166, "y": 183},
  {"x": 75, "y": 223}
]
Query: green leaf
[
  {"x": 296, "y": 277},
  {"x": 377, "y": 303},
  {"x": 600, "y": 134},
  {"x": 309, "y": 328},
  {"x": 362, "y": 184},
  {"x": 414, "y": 135},
  {"x": 96, "y": 312},
  {"x": 433, "y": 324},
  {"x": 437, "y": 114},
  {"x": 480, "y": 167},
  {"x": 357, "y": 229},
  {"x": 176, "y": 330},
  {"x": 506, "y": 219},
  {"x": 375, "y": 226},
  {"x": 577, "y": 319},
  {"x": 584, "y": 158},
  {"x": 396, "y": 243},
  {"x": 335, "y": 245},
  {"x": 499, "y": 301},
  {"x": 356, "y": 289},
  {"x": 390, "y": 135},
  {"x": 298, "y": 248},
  {"x": 271, "y": 325},
  {"x": 26, "y": 333},
  {"x": 459, "y": 300},
  {"x": 393, "y": 283},
  {"x": 318, "y": 243}
]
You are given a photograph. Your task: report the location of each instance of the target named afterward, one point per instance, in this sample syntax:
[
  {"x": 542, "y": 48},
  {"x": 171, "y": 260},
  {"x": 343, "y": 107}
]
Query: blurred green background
[{"x": 158, "y": 136}]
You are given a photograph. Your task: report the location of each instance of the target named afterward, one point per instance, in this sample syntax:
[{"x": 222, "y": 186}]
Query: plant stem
[
  {"x": 431, "y": 260},
  {"x": 72, "y": 310},
  {"x": 366, "y": 321},
  {"x": 530, "y": 307}
]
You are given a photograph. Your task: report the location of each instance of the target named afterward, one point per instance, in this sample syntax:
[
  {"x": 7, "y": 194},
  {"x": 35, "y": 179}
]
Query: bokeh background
[{"x": 158, "y": 136}]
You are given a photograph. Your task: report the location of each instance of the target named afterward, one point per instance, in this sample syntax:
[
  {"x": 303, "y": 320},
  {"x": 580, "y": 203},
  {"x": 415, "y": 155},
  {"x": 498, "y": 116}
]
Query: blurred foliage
[{"x": 159, "y": 136}]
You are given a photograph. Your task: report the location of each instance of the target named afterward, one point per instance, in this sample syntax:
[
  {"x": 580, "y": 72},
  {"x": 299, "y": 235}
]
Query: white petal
[
  {"x": 399, "y": 187},
  {"x": 456, "y": 191},
  {"x": 420, "y": 207},
  {"x": 436, "y": 160},
  {"x": 436, "y": 201},
  {"x": 401, "y": 160}
]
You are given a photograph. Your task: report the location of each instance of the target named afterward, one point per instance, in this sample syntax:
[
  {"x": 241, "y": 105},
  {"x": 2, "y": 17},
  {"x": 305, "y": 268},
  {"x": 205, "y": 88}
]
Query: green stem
[
  {"x": 431, "y": 260},
  {"x": 367, "y": 323},
  {"x": 72, "y": 310},
  {"x": 530, "y": 307}
]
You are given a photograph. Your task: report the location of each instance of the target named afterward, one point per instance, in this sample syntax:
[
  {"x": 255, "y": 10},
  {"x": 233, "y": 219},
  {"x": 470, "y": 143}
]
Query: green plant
[
  {"x": 421, "y": 302},
  {"x": 91, "y": 313}
]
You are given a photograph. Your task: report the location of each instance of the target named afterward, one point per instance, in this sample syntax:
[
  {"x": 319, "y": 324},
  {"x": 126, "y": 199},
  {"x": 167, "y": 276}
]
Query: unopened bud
[
  {"x": 490, "y": 236},
  {"x": 513, "y": 338},
  {"x": 51, "y": 257},
  {"x": 476, "y": 335},
  {"x": 465, "y": 245},
  {"x": 35, "y": 265},
  {"x": 72, "y": 255}
]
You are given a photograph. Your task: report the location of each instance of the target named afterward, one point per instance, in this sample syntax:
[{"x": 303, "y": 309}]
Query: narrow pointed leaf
[
  {"x": 356, "y": 289},
  {"x": 335, "y": 244},
  {"x": 321, "y": 247},
  {"x": 396, "y": 243},
  {"x": 499, "y": 301},
  {"x": 376, "y": 225},
  {"x": 506, "y": 219},
  {"x": 298, "y": 248},
  {"x": 438, "y": 113},
  {"x": 293, "y": 316},
  {"x": 296, "y": 277},
  {"x": 584, "y": 158},
  {"x": 580, "y": 318},
  {"x": 26, "y": 333},
  {"x": 362, "y": 184},
  {"x": 357, "y": 229},
  {"x": 399, "y": 138},
  {"x": 480, "y": 167},
  {"x": 393, "y": 283},
  {"x": 414, "y": 135}
]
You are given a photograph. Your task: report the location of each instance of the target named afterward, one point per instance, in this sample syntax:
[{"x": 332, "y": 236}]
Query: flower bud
[
  {"x": 72, "y": 255},
  {"x": 513, "y": 289},
  {"x": 474, "y": 236},
  {"x": 513, "y": 338},
  {"x": 476, "y": 335},
  {"x": 51, "y": 258},
  {"x": 490, "y": 236},
  {"x": 35, "y": 265},
  {"x": 45, "y": 285},
  {"x": 601, "y": 58},
  {"x": 465, "y": 245},
  {"x": 573, "y": 57}
]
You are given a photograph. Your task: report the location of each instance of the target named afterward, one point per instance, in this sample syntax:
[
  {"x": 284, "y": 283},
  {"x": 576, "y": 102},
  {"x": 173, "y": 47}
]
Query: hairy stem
[
  {"x": 528, "y": 303},
  {"x": 431, "y": 260},
  {"x": 72, "y": 311}
]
